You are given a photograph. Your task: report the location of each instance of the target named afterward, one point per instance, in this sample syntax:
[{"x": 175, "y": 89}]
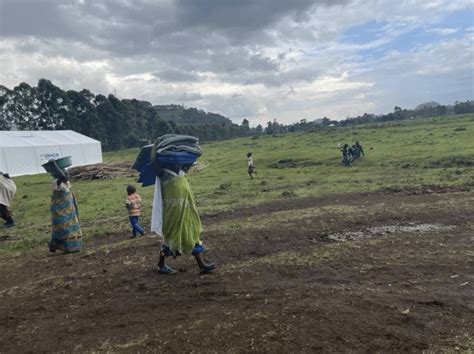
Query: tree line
[
  {"x": 422, "y": 111},
  {"x": 123, "y": 123},
  {"x": 116, "y": 123}
]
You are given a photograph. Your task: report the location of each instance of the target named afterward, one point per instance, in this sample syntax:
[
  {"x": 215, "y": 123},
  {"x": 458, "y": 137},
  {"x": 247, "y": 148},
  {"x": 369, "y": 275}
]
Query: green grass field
[{"x": 437, "y": 151}]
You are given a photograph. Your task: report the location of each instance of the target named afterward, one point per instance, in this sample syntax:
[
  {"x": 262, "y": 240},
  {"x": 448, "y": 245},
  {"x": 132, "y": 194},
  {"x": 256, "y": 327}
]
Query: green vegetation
[
  {"x": 116, "y": 123},
  {"x": 406, "y": 154},
  {"x": 402, "y": 154}
]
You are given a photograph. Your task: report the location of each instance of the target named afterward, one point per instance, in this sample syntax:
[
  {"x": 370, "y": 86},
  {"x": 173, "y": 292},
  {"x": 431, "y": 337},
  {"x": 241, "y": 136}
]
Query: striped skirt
[{"x": 66, "y": 230}]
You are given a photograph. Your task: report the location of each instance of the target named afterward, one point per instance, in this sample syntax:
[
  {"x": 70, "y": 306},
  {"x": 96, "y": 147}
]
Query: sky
[{"x": 254, "y": 59}]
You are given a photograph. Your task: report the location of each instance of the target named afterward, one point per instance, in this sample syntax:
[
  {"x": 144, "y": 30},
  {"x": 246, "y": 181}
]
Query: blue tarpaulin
[{"x": 148, "y": 169}]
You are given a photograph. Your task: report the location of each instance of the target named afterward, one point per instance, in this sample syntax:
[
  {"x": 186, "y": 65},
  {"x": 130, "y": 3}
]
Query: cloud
[
  {"x": 66, "y": 72},
  {"x": 443, "y": 31},
  {"x": 431, "y": 72},
  {"x": 172, "y": 75},
  {"x": 254, "y": 59}
]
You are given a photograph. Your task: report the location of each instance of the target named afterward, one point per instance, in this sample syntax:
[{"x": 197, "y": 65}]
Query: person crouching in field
[
  {"x": 181, "y": 222},
  {"x": 66, "y": 230},
  {"x": 250, "y": 165},
  {"x": 7, "y": 193},
  {"x": 133, "y": 205}
]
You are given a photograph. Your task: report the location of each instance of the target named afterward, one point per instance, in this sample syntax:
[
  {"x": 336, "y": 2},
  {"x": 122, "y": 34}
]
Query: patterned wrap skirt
[
  {"x": 181, "y": 222},
  {"x": 66, "y": 230}
]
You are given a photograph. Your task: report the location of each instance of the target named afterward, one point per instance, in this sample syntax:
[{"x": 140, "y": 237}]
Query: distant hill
[
  {"x": 182, "y": 115},
  {"x": 116, "y": 123}
]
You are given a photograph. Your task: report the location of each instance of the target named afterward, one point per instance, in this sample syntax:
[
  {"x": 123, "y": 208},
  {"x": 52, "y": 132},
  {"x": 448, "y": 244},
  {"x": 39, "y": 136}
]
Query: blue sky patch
[
  {"x": 451, "y": 25},
  {"x": 364, "y": 33}
]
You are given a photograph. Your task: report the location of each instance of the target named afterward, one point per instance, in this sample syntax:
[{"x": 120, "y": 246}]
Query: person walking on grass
[
  {"x": 66, "y": 230},
  {"x": 359, "y": 150},
  {"x": 250, "y": 165},
  {"x": 133, "y": 205},
  {"x": 346, "y": 155},
  {"x": 181, "y": 222}
]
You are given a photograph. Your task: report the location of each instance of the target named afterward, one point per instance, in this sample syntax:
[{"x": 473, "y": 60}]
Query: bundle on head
[{"x": 170, "y": 151}]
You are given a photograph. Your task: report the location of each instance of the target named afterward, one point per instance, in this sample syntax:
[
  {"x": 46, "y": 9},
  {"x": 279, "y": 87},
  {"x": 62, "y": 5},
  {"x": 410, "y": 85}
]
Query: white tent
[{"x": 23, "y": 152}]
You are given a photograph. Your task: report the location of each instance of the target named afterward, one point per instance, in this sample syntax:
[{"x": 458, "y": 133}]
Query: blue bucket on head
[{"x": 56, "y": 167}]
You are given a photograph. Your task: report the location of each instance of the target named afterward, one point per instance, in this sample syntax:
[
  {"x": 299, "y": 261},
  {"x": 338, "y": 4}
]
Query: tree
[
  {"x": 464, "y": 107},
  {"x": 269, "y": 128},
  {"x": 325, "y": 122},
  {"x": 162, "y": 127}
]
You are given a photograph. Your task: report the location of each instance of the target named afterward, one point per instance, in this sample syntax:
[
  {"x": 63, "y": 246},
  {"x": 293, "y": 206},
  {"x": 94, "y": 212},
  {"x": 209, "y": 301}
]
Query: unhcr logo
[{"x": 49, "y": 156}]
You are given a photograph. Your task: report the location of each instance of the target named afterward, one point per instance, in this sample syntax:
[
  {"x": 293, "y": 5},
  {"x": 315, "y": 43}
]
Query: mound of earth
[
  {"x": 106, "y": 170},
  {"x": 114, "y": 169}
]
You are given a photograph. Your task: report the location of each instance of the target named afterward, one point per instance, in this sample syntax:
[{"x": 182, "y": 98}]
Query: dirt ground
[{"x": 375, "y": 272}]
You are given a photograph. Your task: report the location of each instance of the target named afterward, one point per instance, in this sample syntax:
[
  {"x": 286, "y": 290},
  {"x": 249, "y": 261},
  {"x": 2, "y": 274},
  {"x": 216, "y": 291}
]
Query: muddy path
[
  {"x": 356, "y": 199},
  {"x": 369, "y": 272}
]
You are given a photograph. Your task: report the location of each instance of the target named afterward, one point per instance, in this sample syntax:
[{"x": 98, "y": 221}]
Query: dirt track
[{"x": 403, "y": 281}]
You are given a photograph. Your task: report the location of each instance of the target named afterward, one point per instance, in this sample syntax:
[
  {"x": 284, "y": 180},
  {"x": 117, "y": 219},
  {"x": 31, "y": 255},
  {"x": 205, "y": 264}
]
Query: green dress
[{"x": 181, "y": 222}]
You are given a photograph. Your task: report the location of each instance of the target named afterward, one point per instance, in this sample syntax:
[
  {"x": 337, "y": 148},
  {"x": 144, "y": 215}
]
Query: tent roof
[{"x": 43, "y": 138}]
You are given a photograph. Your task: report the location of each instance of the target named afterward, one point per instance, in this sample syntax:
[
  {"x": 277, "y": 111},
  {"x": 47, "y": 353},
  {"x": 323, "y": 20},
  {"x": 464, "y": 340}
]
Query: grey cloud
[
  {"x": 241, "y": 60},
  {"x": 247, "y": 42},
  {"x": 174, "y": 40},
  {"x": 54, "y": 48},
  {"x": 273, "y": 78},
  {"x": 40, "y": 18},
  {"x": 249, "y": 15},
  {"x": 190, "y": 97},
  {"x": 176, "y": 76},
  {"x": 121, "y": 27},
  {"x": 236, "y": 107},
  {"x": 131, "y": 27}
]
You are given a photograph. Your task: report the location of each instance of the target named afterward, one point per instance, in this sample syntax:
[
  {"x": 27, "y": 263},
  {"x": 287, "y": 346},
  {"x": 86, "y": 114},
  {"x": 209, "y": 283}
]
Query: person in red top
[{"x": 133, "y": 205}]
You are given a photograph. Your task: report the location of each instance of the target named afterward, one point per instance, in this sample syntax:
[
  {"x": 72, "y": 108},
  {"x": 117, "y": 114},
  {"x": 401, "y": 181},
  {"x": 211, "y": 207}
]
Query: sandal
[
  {"x": 166, "y": 270},
  {"x": 208, "y": 268}
]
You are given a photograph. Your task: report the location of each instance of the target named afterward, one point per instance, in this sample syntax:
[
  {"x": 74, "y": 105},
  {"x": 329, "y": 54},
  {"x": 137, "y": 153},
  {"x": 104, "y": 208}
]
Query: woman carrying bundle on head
[
  {"x": 66, "y": 232},
  {"x": 174, "y": 214},
  {"x": 181, "y": 222}
]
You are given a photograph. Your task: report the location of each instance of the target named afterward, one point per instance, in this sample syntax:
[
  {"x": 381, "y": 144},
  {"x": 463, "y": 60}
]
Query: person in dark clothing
[
  {"x": 350, "y": 151},
  {"x": 7, "y": 193},
  {"x": 346, "y": 155},
  {"x": 357, "y": 151},
  {"x": 359, "y": 147}
]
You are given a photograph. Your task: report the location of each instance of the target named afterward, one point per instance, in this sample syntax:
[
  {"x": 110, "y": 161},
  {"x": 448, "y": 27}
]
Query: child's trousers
[{"x": 136, "y": 227}]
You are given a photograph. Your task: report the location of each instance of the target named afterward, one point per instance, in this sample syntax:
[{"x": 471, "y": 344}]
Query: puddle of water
[
  {"x": 387, "y": 229},
  {"x": 409, "y": 228}
]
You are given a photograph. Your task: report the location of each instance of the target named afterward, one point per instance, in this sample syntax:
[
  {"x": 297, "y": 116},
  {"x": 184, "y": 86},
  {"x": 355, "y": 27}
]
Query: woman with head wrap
[{"x": 66, "y": 230}]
